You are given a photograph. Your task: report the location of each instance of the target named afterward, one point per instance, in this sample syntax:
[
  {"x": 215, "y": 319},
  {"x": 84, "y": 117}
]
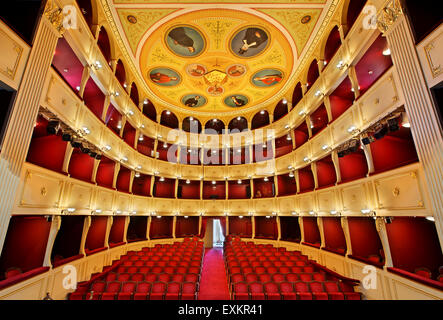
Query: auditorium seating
[
  {"x": 164, "y": 272},
  {"x": 263, "y": 272}
]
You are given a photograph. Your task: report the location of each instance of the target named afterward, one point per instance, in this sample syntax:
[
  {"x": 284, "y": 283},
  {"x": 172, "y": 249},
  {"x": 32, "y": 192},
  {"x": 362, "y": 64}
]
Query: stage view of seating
[
  {"x": 263, "y": 272},
  {"x": 164, "y": 272}
]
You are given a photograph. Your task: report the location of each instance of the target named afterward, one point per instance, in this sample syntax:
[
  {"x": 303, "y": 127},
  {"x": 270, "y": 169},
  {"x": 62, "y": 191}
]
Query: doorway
[{"x": 218, "y": 238}]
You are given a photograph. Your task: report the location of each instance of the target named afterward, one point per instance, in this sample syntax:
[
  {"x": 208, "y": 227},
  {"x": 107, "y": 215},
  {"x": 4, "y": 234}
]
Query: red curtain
[
  {"x": 223, "y": 225},
  {"x": 203, "y": 229}
]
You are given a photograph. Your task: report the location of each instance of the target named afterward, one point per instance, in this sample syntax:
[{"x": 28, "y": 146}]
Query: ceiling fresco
[{"x": 221, "y": 60}]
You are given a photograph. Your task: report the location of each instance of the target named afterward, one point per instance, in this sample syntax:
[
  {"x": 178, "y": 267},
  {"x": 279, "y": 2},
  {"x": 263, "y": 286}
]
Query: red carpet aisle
[{"x": 213, "y": 284}]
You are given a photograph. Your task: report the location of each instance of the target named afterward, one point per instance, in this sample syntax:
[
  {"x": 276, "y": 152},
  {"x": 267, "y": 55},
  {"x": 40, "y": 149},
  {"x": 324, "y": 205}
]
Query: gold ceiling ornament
[
  {"x": 215, "y": 77},
  {"x": 55, "y": 16},
  {"x": 389, "y": 15}
]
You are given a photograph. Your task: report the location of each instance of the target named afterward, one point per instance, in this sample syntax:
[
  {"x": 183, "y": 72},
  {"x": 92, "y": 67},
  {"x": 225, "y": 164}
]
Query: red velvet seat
[
  {"x": 173, "y": 291},
  {"x": 194, "y": 270},
  {"x": 333, "y": 290},
  {"x": 169, "y": 270},
  {"x": 296, "y": 269},
  {"x": 164, "y": 277},
  {"x": 132, "y": 269},
  {"x": 178, "y": 277},
  {"x": 157, "y": 269},
  {"x": 278, "y": 277},
  {"x": 251, "y": 277},
  {"x": 151, "y": 277},
  {"x": 121, "y": 269},
  {"x": 127, "y": 263},
  {"x": 256, "y": 291},
  {"x": 318, "y": 290},
  {"x": 423, "y": 272},
  {"x": 144, "y": 269},
  {"x": 272, "y": 291},
  {"x": 247, "y": 270},
  {"x": 292, "y": 277},
  {"x": 158, "y": 291},
  {"x": 287, "y": 291},
  {"x": 127, "y": 290},
  {"x": 272, "y": 270},
  {"x": 263, "y": 278},
  {"x": 238, "y": 277},
  {"x": 143, "y": 291},
  {"x": 306, "y": 277},
  {"x": 240, "y": 291},
  {"x": 191, "y": 277},
  {"x": 348, "y": 291},
  {"x": 137, "y": 277},
  {"x": 284, "y": 269},
  {"x": 112, "y": 289},
  {"x": 309, "y": 269},
  {"x": 260, "y": 270},
  {"x": 181, "y": 270},
  {"x": 122, "y": 277},
  {"x": 96, "y": 290},
  {"x": 317, "y": 276},
  {"x": 111, "y": 276},
  {"x": 302, "y": 290}
]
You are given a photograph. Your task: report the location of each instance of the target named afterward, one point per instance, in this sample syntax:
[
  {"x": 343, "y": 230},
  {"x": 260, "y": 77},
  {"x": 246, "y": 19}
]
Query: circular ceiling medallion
[
  {"x": 164, "y": 77},
  {"x": 249, "y": 42},
  {"x": 196, "y": 70},
  {"x": 185, "y": 41},
  {"x": 216, "y": 90},
  {"x": 306, "y": 19},
  {"x": 194, "y": 100},
  {"x": 236, "y": 101},
  {"x": 198, "y": 54},
  {"x": 236, "y": 70},
  {"x": 132, "y": 19},
  {"x": 267, "y": 78}
]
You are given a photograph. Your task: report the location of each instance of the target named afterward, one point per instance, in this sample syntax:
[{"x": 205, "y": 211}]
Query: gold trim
[
  {"x": 435, "y": 70},
  {"x": 11, "y": 73}
]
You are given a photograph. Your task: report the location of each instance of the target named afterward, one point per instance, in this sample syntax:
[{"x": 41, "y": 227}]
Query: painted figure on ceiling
[
  {"x": 162, "y": 78},
  {"x": 179, "y": 36},
  {"x": 238, "y": 102},
  {"x": 192, "y": 102},
  {"x": 269, "y": 79},
  {"x": 252, "y": 39}
]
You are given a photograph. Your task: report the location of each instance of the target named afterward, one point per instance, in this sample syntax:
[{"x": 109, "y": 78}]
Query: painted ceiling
[{"x": 214, "y": 58}]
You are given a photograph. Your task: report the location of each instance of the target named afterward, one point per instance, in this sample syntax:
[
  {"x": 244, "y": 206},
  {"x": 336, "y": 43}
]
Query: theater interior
[{"x": 220, "y": 150}]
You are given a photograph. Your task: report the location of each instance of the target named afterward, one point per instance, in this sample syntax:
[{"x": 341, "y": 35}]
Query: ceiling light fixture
[{"x": 387, "y": 52}]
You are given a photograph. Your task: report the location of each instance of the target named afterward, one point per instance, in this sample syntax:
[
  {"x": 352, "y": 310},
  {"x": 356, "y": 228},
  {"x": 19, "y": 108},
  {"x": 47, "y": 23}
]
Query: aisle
[{"x": 213, "y": 283}]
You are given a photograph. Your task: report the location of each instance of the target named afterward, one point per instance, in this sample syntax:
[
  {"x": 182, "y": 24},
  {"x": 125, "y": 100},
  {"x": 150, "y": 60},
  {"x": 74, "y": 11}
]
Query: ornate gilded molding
[
  {"x": 55, "y": 16},
  {"x": 389, "y": 15}
]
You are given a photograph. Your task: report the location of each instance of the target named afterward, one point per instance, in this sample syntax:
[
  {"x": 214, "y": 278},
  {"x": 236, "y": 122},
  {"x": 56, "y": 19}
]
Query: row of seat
[
  {"x": 158, "y": 269},
  {"x": 153, "y": 277},
  {"x": 137, "y": 272},
  {"x": 277, "y": 277},
  {"x": 271, "y": 269},
  {"x": 300, "y": 290},
  {"x": 132, "y": 290},
  {"x": 267, "y": 264}
]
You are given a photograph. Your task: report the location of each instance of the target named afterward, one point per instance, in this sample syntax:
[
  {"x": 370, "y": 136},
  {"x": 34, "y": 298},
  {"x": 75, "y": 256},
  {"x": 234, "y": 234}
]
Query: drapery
[
  {"x": 223, "y": 225},
  {"x": 203, "y": 227}
]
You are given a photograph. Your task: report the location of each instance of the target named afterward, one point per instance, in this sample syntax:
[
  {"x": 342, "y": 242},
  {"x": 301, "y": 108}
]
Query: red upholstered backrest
[
  {"x": 316, "y": 286},
  {"x": 98, "y": 286},
  {"x": 331, "y": 286},
  {"x": 173, "y": 287},
  {"x": 128, "y": 286},
  {"x": 271, "y": 287},
  {"x": 188, "y": 287},
  {"x": 301, "y": 286},
  {"x": 286, "y": 287},
  {"x": 256, "y": 287},
  {"x": 113, "y": 286},
  {"x": 144, "y": 287}
]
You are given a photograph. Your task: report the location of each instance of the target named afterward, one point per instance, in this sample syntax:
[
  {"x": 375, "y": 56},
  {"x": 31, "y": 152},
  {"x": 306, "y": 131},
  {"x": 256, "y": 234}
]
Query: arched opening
[
  {"x": 120, "y": 73},
  {"x": 354, "y": 9},
  {"x": 261, "y": 119},
  {"x": 190, "y": 124},
  {"x": 238, "y": 123},
  {"x": 168, "y": 119},
  {"x": 134, "y": 94},
  {"x": 86, "y": 9},
  {"x": 297, "y": 95},
  {"x": 281, "y": 109},
  {"x": 149, "y": 110},
  {"x": 104, "y": 44},
  {"x": 332, "y": 44},
  {"x": 313, "y": 74},
  {"x": 214, "y": 126}
]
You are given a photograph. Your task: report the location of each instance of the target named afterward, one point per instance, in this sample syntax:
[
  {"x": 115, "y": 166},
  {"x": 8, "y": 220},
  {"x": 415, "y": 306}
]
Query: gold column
[
  {"x": 24, "y": 112},
  {"x": 420, "y": 108}
]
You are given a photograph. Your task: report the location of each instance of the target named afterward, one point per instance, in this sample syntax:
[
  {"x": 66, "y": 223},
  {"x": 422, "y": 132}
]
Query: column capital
[
  {"x": 55, "y": 16},
  {"x": 389, "y": 15}
]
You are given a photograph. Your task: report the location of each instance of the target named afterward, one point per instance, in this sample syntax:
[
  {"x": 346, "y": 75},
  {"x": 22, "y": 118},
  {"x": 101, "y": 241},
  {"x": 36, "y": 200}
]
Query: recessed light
[
  {"x": 430, "y": 219},
  {"x": 387, "y": 52}
]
